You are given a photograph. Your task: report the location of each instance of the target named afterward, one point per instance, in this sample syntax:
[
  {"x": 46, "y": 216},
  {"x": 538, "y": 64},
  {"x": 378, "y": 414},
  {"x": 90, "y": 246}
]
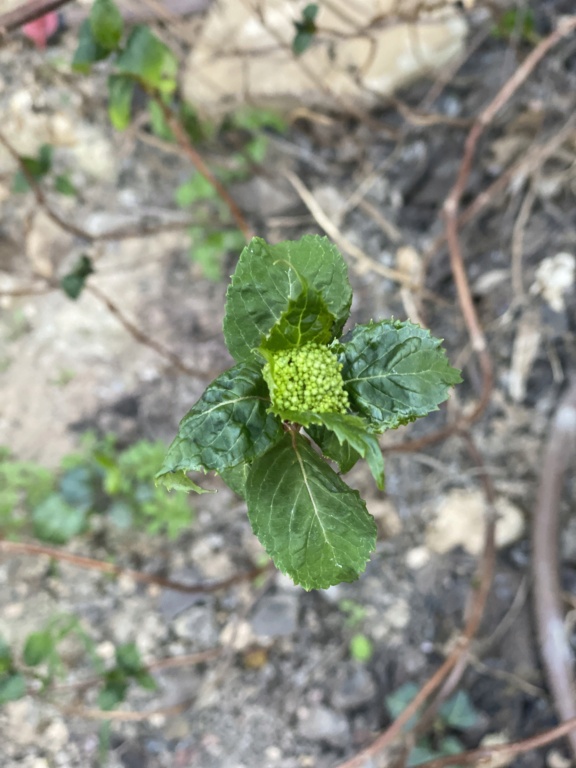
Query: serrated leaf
[
  {"x": 178, "y": 481},
  {"x": 353, "y": 432},
  {"x": 343, "y": 454},
  {"x": 316, "y": 529},
  {"x": 395, "y": 372},
  {"x": 228, "y": 425},
  {"x": 235, "y": 478},
  {"x": 306, "y": 320},
  {"x": 88, "y": 50},
  {"x": 268, "y": 276},
  {"x": 146, "y": 58},
  {"x": 106, "y": 23},
  {"x": 38, "y": 647},
  {"x": 120, "y": 92}
]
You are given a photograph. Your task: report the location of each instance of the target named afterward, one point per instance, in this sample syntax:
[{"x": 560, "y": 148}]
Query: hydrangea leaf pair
[{"x": 286, "y": 307}]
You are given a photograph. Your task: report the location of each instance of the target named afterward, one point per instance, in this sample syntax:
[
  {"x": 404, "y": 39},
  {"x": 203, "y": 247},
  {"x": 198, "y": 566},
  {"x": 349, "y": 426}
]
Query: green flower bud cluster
[{"x": 308, "y": 378}]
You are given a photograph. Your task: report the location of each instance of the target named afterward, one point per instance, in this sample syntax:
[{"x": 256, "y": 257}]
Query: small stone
[
  {"x": 326, "y": 725},
  {"x": 417, "y": 558},
  {"x": 354, "y": 688},
  {"x": 55, "y": 736},
  {"x": 459, "y": 520},
  {"x": 276, "y": 616},
  {"x": 237, "y": 635},
  {"x": 198, "y": 625}
]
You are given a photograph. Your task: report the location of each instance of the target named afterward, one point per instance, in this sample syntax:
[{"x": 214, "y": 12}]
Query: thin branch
[
  {"x": 458, "y": 654},
  {"x": 26, "y": 13},
  {"x": 140, "y": 336},
  {"x": 29, "y": 549},
  {"x": 197, "y": 161},
  {"x": 555, "y": 649}
]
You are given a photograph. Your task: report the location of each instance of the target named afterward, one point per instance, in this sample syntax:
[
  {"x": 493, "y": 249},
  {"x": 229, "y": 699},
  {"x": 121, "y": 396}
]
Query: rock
[
  {"x": 198, "y": 625},
  {"x": 244, "y": 48},
  {"x": 323, "y": 724},
  {"x": 276, "y": 616},
  {"x": 354, "y": 687},
  {"x": 554, "y": 278},
  {"x": 459, "y": 521}
]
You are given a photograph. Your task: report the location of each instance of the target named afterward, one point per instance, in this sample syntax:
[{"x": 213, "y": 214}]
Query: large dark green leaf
[
  {"x": 268, "y": 276},
  {"x": 395, "y": 372},
  {"x": 352, "y": 431},
  {"x": 146, "y": 58},
  {"x": 228, "y": 425},
  {"x": 316, "y": 528},
  {"x": 342, "y": 453},
  {"x": 306, "y": 320},
  {"x": 235, "y": 478}
]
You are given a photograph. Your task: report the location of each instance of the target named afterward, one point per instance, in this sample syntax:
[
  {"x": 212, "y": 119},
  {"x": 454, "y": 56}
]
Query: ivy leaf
[
  {"x": 317, "y": 529},
  {"x": 146, "y": 58},
  {"x": 306, "y": 320},
  {"x": 88, "y": 51},
  {"x": 268, "y": 276},
  {"x": 228, "y": 425},
  {"x": 120, "y": 92},
  {"x": 395, "y": 372},
  {"x": 106, "y": 23},
  {"x": 342, "y": 453}
]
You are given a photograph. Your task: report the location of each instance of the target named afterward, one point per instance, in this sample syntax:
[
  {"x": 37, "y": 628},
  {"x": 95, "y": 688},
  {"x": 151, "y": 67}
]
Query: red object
[{"x": 40, "y": 30}]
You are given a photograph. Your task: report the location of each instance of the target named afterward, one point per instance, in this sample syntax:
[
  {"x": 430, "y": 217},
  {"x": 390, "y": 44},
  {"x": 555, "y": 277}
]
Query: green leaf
[
  {"x": 361, "y": 648},
  {"x": 228, "y": 425},
  {"x": 56, "y": 521},
  {"x": 306, "y": 320},
  {"x": 178, "y": 481},
  {"x": 342, "y": 453},
  {"x": 194, "y": 189},
  {"x": 305, "y": 29},
  {"x": 64, "y": 186},
  {"x": 459, "y": 712},
  {"x": 316, "y": 529},
  {"x": 37, "y": 167},
  {"x": 120, "y": 92},
  {"x": 397, "y": 701},
  {"x": 353, "y": 432},
  {"x": 106, "y": 23},
  {"x": 88, "y": 50},
  {"x": 395, "y": 372},
  {"x": 5, "y": 657},
  {"x": 128, "y": 658},
  {"x": 209, "y": 248},
  {"x": 38, "y": 647},
  {"x": 158, "y": 122},
  {"x": 73, "y": 283},
  {"x": 12, "y": 687},
  {"x": 146, "y": 58},
  {"x": 235, "y": 478},
  {"x": 268, "y": 276}
]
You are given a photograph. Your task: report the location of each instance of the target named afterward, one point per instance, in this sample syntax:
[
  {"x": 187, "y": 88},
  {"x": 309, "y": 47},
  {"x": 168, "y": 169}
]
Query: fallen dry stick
[{"x": 557, "y": 655}]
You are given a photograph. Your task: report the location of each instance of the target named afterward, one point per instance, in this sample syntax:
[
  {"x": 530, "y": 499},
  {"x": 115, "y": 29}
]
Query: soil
[{"x": 284, "y": 690}]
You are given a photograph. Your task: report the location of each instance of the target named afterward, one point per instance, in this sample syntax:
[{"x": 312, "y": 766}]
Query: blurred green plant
[
  {"x": 98, "y": 481},
  {"x": 456, "y": 714},
  {"x": 516, "y": 22}
]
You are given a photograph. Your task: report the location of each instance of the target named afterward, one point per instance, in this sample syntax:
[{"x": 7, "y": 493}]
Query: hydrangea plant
[{"x": 297, "y": 383}]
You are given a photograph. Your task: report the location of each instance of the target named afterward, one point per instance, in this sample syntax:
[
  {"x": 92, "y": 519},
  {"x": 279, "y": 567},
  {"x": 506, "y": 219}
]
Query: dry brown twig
[
  {"x": 555, "y": 649},
  {"x": 34, "y": 550}
]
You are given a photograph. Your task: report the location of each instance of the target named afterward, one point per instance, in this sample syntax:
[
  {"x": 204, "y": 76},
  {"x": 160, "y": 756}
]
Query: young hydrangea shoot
[
  {"x": 296, "y": 382},
  {"x": 308, "y": 378}
]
